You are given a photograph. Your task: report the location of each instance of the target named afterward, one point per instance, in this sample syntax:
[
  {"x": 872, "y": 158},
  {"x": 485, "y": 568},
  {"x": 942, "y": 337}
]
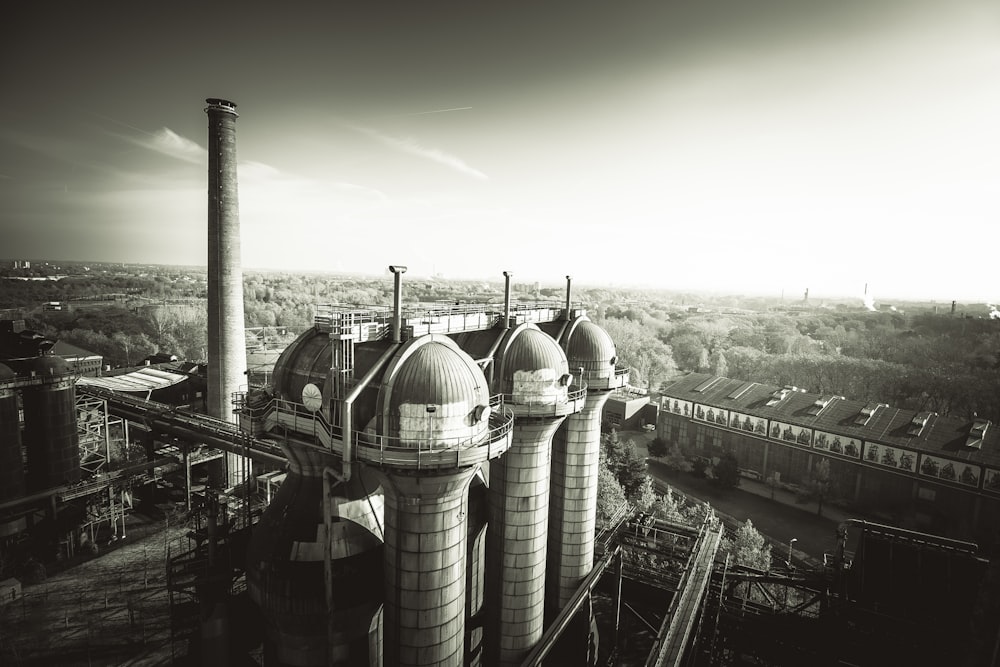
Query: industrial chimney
[{"x": 227, "y": 355}]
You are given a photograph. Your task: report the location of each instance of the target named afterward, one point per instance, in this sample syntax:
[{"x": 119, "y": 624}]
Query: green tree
[
  {"x": 646, "y": 497},
  {"x": 724, "y": 471},
  {"x": 718, "y": 364},
  {"x": 749, "y": 548},
  {"x": 610, "y": 495},
  {"x": 667, "y": 507},
  {"x": 676, "y": 460},
  {"x": 657, "y": 447},
  {"x": 623, "y": 461}
]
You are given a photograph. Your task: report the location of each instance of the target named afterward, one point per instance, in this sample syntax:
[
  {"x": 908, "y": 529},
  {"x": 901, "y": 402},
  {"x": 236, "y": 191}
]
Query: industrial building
[
  {"x": 409, "y": 431},
  {"x": 918, "y": 470},
  {"x": 412, "y": 486}
]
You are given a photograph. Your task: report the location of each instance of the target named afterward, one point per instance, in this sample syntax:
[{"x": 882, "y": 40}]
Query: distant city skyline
[{"x": 721, "y": 146}]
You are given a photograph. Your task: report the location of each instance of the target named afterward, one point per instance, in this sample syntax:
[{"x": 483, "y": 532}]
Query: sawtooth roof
[{"x": 941, "y": 435}]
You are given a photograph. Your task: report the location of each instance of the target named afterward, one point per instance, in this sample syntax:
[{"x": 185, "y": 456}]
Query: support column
[
  {"x": 425, "y": 550},
  {"x": 475, "y": 573},
  {"x": 516, "y": 539},
  {"x": 576, "y": 450}
]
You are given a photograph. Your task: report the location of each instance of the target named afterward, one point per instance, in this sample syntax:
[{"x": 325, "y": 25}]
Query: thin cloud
[
  {"x": 424, "y": 113},
  {"x": 167, "y": 142},
  {"x": 411, "y": 147}
]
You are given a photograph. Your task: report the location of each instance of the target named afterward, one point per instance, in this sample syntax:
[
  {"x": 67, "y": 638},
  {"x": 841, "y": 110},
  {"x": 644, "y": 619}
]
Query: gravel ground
[{"x": 110, "y": 610}]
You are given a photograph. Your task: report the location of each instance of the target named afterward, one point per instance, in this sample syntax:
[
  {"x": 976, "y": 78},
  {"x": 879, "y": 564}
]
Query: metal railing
[
  {"x": 523, "y": 406},
  {"x": 336, "y": 317},
  {"x": 395, "y": 451}
]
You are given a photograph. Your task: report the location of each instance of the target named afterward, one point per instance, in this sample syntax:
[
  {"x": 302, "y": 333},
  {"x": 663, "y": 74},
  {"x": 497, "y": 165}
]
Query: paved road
[{"x": 780, "y": 519}]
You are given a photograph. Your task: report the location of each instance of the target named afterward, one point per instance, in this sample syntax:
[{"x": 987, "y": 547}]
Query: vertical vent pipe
[
  {"x": 506, "y": 299},
  {"x": 569, "y": 293},
  {"x": 397, "y": 302}
]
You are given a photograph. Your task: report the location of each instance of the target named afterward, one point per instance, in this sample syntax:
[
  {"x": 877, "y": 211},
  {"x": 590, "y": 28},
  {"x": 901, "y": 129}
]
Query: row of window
[{"x": 837, "y": 445}]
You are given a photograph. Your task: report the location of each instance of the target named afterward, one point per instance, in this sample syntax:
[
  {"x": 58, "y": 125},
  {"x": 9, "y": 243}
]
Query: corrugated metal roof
[
  {"x": 142, "y": 380},
  {"x": 942, "y": 435}
]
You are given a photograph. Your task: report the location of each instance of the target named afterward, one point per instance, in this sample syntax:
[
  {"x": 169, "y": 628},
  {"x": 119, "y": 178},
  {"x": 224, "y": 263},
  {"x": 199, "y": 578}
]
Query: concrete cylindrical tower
[
  {"x": 11, "y": 469},
  {"x": 434, "y": 429},
  {"x": 50, "y": 431},
  {"x": 534, "y": 379},
  {"x": 576, "y": 451},
  {"x": 12, "y": 484},
  {"x": 227, "y": 354}
]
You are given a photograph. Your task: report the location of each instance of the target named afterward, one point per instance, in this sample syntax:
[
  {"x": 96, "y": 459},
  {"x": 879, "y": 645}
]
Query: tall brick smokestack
[{"x": 227, "y": 354}]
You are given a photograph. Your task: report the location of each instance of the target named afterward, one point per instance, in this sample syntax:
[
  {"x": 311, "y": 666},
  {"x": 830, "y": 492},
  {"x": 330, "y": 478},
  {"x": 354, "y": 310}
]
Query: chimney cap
[{"x": 218, "y": 104}]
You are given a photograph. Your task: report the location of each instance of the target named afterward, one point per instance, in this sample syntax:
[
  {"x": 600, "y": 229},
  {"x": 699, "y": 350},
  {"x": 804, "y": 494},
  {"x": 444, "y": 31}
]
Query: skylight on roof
[
  {"x": 977, "y": 433},
  {"x": 708, "y": 384},
  {"x": 918, "y": 422},
  {"x": 867, "y": 413},
  {"x": 778, "y": 396},
  {"x": 742, "y": 390},
  {"x": 820, "y": 404}
]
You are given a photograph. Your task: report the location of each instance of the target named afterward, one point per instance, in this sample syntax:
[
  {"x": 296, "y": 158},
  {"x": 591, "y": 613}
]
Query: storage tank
[
  {"x": 50, "y": 432},
  {"x": 11, "y": 467},
  {"x": 576, "y": 449},
  {"x": 433, "y": 419},
  {"x": 533, "y": 376},
  {"x": 12, "y": 485}
]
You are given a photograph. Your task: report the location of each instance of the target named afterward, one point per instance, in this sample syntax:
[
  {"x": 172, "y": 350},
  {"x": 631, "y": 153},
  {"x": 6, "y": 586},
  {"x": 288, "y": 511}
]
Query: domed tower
[
  {"x": 433, "y": 429},
  {"x": 314, "y": 561},
  {"x": 576, "y": 451},
  {"x": 533, "y": 377},
  {"x": 50, "y": 431},
  {"x": 11, "y": 468}
]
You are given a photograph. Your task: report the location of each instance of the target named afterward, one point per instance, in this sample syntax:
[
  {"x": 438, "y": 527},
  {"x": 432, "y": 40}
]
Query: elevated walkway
[
  {"x": 365, "y": 323},
  {"x": 686, "y": 606},
  {"x": 378, "y": 449},
  {"x": 163, "y": 418}
]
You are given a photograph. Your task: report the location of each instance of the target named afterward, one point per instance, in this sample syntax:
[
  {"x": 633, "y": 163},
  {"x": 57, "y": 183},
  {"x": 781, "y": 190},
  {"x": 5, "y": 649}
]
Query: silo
[
  {"x": 575, "y": 458},
  {"x": 533, "y": 376},
  {"x": 11, "y": 466},
  {"x": 50, "y": 432},
  {"x": 433, "y": 429}
]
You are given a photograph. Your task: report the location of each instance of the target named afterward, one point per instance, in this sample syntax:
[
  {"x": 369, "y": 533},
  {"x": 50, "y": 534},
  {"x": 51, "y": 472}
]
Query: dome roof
[
  {"x": 590, "y": 346},
  {"x": 431, "y": 392},
  {"x": 6, "y": 373},
  {"x": 529, "y": 355},
  {"x": 305, "y": 361},
  {"x": 49, "y": 365},
  {"x": 438, "y": 372}
]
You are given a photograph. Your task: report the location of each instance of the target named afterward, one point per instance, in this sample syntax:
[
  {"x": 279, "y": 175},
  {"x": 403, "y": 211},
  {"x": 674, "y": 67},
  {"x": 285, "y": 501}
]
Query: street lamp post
[{"x": 790, "y": 566}]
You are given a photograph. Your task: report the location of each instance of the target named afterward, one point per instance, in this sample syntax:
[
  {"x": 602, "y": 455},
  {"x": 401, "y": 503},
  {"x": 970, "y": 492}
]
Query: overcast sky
[{"x": 735, "y": 145}]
